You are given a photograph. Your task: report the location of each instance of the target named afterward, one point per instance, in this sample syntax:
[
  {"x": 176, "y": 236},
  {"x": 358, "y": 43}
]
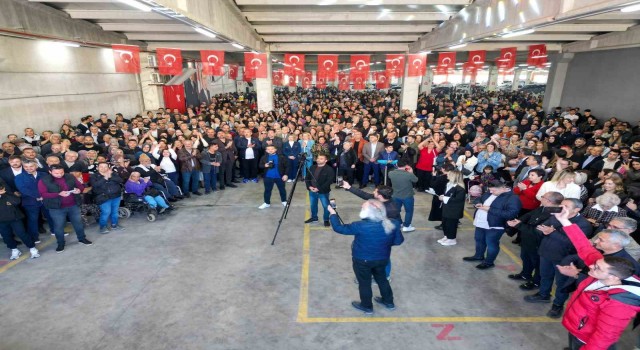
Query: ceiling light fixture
[
  {"x": 424, "y": 52},
  {"x": 457, "y": 46},
  {"x": 204, "y": 32},
  {"x": 140, "y": 6},
  {"x": 237, "y": 46},
  {"x": 518, "y": 33},
  {"x": 632, "y": 8},
  {"x": 62, "y": 43}
]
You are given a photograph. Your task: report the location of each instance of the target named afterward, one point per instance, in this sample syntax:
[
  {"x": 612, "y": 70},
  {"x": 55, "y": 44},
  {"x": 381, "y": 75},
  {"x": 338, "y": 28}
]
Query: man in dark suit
[
  {"x": 191, "y": 91},
  {"x": 612, "y": 161},
  {"x": 9, "y": 174},
  {"x": 371, "y": 154},
  {"x": 85, "y": 123},
  {"x": 249, "y": 149},
  {"x": 591, "y": 160}
]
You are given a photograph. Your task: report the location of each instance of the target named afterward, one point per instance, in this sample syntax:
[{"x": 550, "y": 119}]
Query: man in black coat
[{"x": 318, "y": 180}]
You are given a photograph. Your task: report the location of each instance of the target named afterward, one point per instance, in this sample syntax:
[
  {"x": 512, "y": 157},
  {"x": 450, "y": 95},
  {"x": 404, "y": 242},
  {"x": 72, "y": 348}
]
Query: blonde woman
[
  {"x": 306, "y": 146},
  {"x": 564, "y": 184},
  {"x": 452, "y": 207}
]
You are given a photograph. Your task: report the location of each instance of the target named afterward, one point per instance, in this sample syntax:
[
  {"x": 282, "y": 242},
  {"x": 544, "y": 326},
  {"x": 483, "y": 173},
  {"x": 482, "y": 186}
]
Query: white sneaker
[
  {"x": 448, "y": 242},
  {"x": 15, "y": 253},
  {"x": 34, "y": 253},
  {"x": 442, "y": 239},
  {"x": 408, "y": 228},
  {"x": 284, "y": 204},
  {"x": 264, "y": 206},
  {"x": 289, "y": 181}
]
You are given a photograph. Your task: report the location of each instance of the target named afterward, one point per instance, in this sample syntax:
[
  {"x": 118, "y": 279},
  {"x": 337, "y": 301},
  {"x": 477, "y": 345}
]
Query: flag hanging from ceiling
[
  {"x": 307, "y": 80},
  {"x": 169, "y": 61},
  {"x": 247, "y": 75},
  {"x": 417, "y": 65},
  {"x": 471, "y": 69},
  {"x": 277, "y": 77},
  {"x": 477, "y": 58},
  {"x": 507, "y": 59},
  {"x": 537, "y": 55},
  {"x": 212, "y": 62},
  {"x": 126, "y": 58},
  {"x": 174, "y": 97},
  {"x": 328, "y": 64},
  {"x": 294, "y": 64},
  {"x": 395, "y": 66},
  {"x": 321, "y": 79},
  {"x": 446, "y": 60},
  {"x": 343, "y": 81},
  {"x": 291, "y": 81},
  {"x": 359, "y": 81},
  {"x": 233, "y": 71},
  {"x": 382, "y": 81},
  {"x": 256, "y": 63},
  {"x": 359, "y": 68}
]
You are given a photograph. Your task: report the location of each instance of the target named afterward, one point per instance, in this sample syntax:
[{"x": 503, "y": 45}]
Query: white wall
[{"x": 42, "y": 83}]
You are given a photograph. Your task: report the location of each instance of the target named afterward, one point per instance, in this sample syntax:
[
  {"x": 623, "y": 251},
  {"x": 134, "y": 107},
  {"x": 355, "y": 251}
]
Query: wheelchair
[{"x": 132, "y": 204}]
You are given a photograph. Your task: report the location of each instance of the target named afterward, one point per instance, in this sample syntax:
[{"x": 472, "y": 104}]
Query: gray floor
[{"x": 208, "y": 278}]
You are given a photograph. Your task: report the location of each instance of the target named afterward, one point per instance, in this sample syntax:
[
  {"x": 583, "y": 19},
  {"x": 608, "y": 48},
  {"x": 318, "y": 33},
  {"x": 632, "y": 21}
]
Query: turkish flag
[
  {"x": 469, "y": 68},
  {"x": 395, "y": 66},
  {"x": 477, "y": 57},
  {"x": 447, "y": 60},
  {"x": 321, "y": 79},
  {"x": 359, "y": 67},
  {"x": 537, "y": 55},
  {"x": 294, "y": 64},
  {"x": 248, "y": 75},
  {"x": 343, "y": 81},
  {"x": 169, "y": 61},
  {"x": 277, "y": 77},
  {"x": 507, "y": 59},
  {"x": 233, "y": 71},
  {"x": 441, "y": 71},
  {"x": 382, "y": 81},
  {"x": 307, "y": 80},
  {"x": 174, "y": 97},
  {"x": 329, "y": 65},
  {"x": 417, "y": 65},
  {"x": 292, "y": 81},
  {"x": 126, "y": 58},
  {"x": 257, "y": 63},
  {"x": 212, "y": 62}
]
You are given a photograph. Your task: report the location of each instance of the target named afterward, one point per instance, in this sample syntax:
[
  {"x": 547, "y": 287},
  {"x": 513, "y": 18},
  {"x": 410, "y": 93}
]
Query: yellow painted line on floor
[
  {"x": 303, "y": 305},
  {"x": 26, "y": 255},
  {"x": 511, "y": 255},
  {"x": 538, "y": 319}
]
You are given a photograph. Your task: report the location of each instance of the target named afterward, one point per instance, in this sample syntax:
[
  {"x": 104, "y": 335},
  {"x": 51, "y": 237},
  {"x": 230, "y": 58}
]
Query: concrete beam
[
  {"x": 73, "y": 1},
  {"x": 192, "y": 46},
  {"x": 113, "y": 14},
  {"x": 338, "y": 47},
  {"x": 545, "y": 37},
  {"x": 488, "y": 46},
  {"x": 344, "y": 16},
  {"x": 146, "y": 27},
  {"x": 609, "y": 41},
  {"x": 339, "y": 38},
  {"x": 301, "y": 28},
  {"x": 588, "y": 28},
  {"x": 349, "y": 2},
  {"x": 170, "y": 37}
]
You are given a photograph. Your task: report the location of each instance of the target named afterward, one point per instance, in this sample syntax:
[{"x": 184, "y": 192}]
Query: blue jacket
[
  {"x": 494, "y": 160},
  {"x": 370, "y": 242},
  {"x": 288, "y": 151},
  {"x": 27, "y": 185},
  {"x": 504, "y": 208}
]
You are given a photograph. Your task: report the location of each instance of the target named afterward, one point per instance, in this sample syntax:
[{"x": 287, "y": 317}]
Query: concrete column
[
  {"x": 264, "y": 89},
  {"x": 555, "y": 82},
  {"x": 527, "y": 81},
  {"x": 516, "y": 79},
  {"x": 492, "y": 83},
  {"x": 152, "y": 95},
  {"x": 472, "y": 79},
  {"x": 410, "y": 90},
  {"x": 427, "y": 82}
]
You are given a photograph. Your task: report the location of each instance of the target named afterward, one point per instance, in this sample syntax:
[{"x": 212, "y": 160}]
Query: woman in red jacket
[
  {"x": 426, "y": 159},
  {"x": 603, "y": 304},
  {"x": 528, "y": 189}
]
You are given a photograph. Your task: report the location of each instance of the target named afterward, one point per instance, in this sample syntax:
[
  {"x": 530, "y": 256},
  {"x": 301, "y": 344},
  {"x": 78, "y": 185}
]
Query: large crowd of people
[{"x": 520, "y": 165}]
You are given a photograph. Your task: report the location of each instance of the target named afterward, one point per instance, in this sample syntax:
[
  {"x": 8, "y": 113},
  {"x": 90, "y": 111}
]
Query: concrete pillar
[
  {"x": 555, "y": 82},
  {"x": 264, "y": 89},
  {"x": 472, "y": 78},
  {"x": 152, "y": 95},
  {"x": 529, "y": 77},
  {"x": 492, "y": 84},
  {"x": 410, "y": 90},
  {"x": 516, "y": 79},
  {"x": 427, "y": 82}
]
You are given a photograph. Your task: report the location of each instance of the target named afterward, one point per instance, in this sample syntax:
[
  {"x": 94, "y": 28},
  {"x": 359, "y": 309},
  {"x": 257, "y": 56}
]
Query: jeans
[
  {"x": 324, "y": 199},
  {"x": 210, "y": 180},
  {"x": 169, "y": 191},
  {"x": 156, "y": 201},
  {"x": 408, "y": 209},
  {"x": 293, "y": 168},
  {"x": 548, "y": 272},
  {"x": 173, "y": 177},
  {"x": 530, "y": 265},
  {"x": 33, "y": 215},
  {"x": 60, "y": 217},
  {"x": 9, "y": 228},
  {"x": 364, "y": 269},
  {"x": 194, "y": 178},
  {"x": 488, "y": 240},
  {"x": 268, "y": 187},
  {"x": 107, "y": 209},
  {"x": 368, "y": 167}
]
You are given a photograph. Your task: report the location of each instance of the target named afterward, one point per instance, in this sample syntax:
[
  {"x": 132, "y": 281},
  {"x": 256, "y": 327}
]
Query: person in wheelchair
[
  {"x": 143, "y": 189},
  {"x": 89, "y": 211},
  {"x": 159, "y": 181}
]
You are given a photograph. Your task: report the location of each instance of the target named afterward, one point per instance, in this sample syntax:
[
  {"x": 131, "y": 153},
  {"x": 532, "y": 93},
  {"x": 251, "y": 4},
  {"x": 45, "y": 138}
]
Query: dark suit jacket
[
  {"x": 241, "y": 145},
  {"x": 288, "y": 150},
  {"x": 591, "y": 166},
  {"x": 454, "y": 208},
  {"x": 7, "y": 176}
]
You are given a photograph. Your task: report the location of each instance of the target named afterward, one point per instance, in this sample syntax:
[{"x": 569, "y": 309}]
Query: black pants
[
  {"x": 268, "y": 187},
  {"x": 364, "y": 269},
  {"x": 530, "y": 264},
  {"x": 576, "y": 344},
  {"x": 450, "y": 227},
  {"x": 347, "y": 175},
  {"x": 359, "y": 170},
  {"x": 250, "y": 168},
  {"x": 225, "y": 174},
  {"x": 424, "y": 179}
]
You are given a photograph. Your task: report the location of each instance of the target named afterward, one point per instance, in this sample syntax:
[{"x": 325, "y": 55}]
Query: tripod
[{"x": 303, "y": 161}]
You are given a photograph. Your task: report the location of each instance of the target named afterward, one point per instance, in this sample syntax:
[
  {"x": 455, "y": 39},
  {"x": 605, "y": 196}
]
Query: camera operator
[
  {"x": 371, "y": 249},
  {"x": 319, "y": 178},
  {"x": 276, "y": 169}
]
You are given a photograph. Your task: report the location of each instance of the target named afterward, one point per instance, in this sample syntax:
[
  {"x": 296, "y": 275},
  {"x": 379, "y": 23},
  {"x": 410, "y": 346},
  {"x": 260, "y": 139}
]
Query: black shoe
[
  {"x": 232, "y": 186},
  {"x": 179, "y": 197},
  {"x": 518, "y": 277},
  {"x": 221, "y": 188},
  {"x": 207, "y": 192},
  {"x": 529, "y": 286},
  {"x": 439, "y": 227},
  {"x": 197, "y": 193},
  {"x": 537, "y": 298},
  {"x": 172, "y": 200},
  {"x": 362, "y": 186},
  {"x": 42, "y": 230},
  {"x": 187, "y": 195},
  {"x": 516, "y": 241},
  {"x": 555, "y": 312},
  {"x": 357, "y": 305},
  {"x": 327, "y": 223},
  {"x": 388, "y": 306},
  {"x": 60, "y": 248},
  {"x": 485, "y": 266},
  {"x": 472, "y": 258},
  {"x": 311, "y": 220},
  {"x": 85, "y": 241}
]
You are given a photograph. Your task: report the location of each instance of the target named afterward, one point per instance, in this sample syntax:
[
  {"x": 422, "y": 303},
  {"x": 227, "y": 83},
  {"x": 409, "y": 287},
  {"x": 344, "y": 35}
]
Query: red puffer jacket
[{"x": 598, "y": 317}]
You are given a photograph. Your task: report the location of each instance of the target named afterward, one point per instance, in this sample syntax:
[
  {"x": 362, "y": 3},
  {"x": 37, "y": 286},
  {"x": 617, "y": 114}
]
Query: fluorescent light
[
  {"x": 136, "y": 4},
  {"x": 424, "y": 52},
  {"x": 442, "y": 8},
  {"x": 204, "y": 32},
  {"x": 518, "y": 33},
  {"x": 631, "y": 8},
  {"x": 63, "y": 43},
  {"x": 523, "y": 65},
  {"x": 457, "y": 46},
  {"x": 459, "y": 63},
  {"x": 237, "y": 46}
]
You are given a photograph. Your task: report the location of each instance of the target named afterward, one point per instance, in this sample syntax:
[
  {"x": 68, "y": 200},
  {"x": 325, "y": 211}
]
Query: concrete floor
[{"x": 208, "y": 278}]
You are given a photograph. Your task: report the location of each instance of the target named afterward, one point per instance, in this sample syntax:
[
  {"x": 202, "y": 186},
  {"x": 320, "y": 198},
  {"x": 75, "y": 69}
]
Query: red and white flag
[
  {"x": 343, "y": 81},
  {"x": 126, "y": 58},
  {"x": 395, "y": 66},
  {"x": 247, "y": 74},
  {"x": 537, "y": 55},
  {"x": 507, "y": 59},
  {"x": 446, "y": 60},
  {"x": 359, "y": 67},
  {"x": 307, "y": 80},
  {"x": 256, "y": 63},
  {"x": 169, "y": 61},
  {"x": 292, "y": 82},
  {"x": 294, "y": 64},
  {"x": 477, "y": 58},
  {"x": 382, "y": 82},
  {"x": 417, "y": 65},
  {"x": 174, "y": 97},
  {"x": 233, "y": 71},
  {"x": 328, "y": 64},
  {"x": 321, "y": 79},
  {"x": 277, "y": 77},
  {"x": 212, "y": 62}
]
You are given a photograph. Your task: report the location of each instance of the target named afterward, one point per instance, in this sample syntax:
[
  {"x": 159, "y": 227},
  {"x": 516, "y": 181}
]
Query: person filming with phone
[{"x": 276, "y": 169}]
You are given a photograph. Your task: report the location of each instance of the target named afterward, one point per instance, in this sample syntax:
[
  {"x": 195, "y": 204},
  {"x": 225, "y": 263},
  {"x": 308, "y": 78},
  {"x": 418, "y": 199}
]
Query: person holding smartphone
[{"x": 276, "y": 168}]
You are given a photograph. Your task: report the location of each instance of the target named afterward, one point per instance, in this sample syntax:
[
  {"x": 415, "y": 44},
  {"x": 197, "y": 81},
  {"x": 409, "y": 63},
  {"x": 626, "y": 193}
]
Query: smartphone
[
  {"x": 332, "y": 203},
  {"x": 553, "y": 210}
]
